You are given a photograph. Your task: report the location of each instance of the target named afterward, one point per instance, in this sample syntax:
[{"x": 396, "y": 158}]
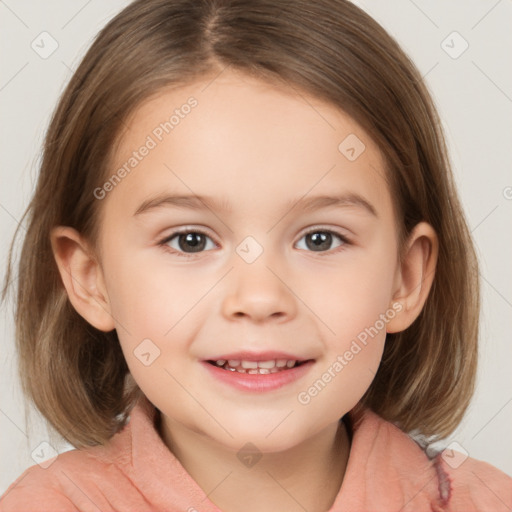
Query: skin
[{"x": 259, "y": 147}]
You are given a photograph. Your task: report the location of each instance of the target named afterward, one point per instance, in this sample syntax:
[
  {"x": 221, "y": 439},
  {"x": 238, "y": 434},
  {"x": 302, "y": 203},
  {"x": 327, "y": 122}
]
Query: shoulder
[
  {"x": 73, "y": 480},
  {"x": 473, "y": 484},
  {"x": 463, "y": 483},
  {"x": 61, "y": 484},
  {"x": 104, "y": 477},
  {"x": 403, "y": 474}
]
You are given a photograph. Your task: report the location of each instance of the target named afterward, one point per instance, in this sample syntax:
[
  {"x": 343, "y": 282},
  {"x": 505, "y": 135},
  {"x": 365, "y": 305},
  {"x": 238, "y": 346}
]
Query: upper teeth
[{"x": 270, "y": 366}]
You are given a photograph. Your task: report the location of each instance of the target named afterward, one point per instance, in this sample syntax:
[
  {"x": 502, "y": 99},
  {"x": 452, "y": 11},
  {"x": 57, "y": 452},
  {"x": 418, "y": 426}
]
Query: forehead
[{"x": 246, "y": 142}]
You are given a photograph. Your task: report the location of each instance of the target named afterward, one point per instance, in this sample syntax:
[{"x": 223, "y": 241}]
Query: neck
[{"x": 305, "y": 477}]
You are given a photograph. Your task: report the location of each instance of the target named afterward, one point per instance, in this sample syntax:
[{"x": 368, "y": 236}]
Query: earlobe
[
  {"x": 82, "y": 277},
  {"x": 415, "y": 276}
]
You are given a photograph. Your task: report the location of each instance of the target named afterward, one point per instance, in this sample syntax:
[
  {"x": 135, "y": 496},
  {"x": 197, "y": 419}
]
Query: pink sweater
[{"x": 135, "y": 471}]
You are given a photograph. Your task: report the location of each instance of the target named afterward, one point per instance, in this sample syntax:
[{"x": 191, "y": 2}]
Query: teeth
[{"x": 256, "y": 367}]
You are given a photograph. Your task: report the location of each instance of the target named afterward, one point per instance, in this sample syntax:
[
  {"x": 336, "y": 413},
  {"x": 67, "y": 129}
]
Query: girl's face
[{"x": 287, "y": 252}]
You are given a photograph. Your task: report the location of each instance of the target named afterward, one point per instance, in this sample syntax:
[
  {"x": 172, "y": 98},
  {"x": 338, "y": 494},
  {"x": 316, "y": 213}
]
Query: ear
[
  {"x": 82, "y": 277},
  {"x": 414, "y": 276}
]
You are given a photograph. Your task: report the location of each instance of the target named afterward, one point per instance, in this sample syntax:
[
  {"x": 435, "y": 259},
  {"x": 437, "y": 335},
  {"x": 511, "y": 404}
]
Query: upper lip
[{"x": 257, "y": 356}]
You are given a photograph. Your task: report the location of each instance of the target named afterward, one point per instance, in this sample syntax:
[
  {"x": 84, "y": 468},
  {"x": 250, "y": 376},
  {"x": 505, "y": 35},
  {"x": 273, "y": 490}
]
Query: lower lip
[{"x": 258, "y": 382}]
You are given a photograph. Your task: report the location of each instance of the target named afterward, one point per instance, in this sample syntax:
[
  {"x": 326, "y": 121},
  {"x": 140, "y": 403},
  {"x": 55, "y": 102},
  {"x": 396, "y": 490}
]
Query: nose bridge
[{"x": 256, "y": 290}]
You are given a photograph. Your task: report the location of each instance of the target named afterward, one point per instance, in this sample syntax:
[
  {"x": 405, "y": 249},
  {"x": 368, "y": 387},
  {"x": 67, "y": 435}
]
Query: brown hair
[{"x": 331, "y": 49}]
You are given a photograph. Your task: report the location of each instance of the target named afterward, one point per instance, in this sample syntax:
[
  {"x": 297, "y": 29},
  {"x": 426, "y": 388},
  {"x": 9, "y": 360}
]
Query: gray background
[{"x": 473, "y": 92}]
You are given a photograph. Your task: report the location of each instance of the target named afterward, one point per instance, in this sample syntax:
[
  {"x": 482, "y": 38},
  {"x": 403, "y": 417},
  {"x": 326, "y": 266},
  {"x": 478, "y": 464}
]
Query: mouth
[
  {"x": 263, "y": 367},
  {"x": 261, "y": 372}
]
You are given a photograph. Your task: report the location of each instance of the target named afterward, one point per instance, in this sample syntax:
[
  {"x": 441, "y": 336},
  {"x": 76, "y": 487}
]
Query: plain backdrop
[{"x": 463, "y": 50}]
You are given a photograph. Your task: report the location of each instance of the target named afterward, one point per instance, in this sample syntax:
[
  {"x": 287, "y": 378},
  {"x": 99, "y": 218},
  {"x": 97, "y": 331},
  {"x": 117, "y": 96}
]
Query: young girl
[{"x": 247, "y": 276}]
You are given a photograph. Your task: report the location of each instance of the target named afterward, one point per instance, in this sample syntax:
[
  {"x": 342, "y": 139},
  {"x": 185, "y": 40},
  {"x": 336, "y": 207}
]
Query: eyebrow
[{"x": 196, "y": 202}]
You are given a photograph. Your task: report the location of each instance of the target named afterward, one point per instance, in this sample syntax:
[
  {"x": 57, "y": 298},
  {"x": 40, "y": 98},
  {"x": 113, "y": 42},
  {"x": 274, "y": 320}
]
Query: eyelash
[{"x": 163, "y": 243}]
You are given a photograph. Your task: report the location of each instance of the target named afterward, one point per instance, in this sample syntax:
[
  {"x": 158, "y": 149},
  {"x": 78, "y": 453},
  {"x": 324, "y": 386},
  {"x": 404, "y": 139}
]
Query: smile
[
  {"x": 256, "y": 367},
  {"x": 257, "y": 373}
]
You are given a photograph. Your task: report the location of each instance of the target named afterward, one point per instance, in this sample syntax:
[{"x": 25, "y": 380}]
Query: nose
[{"x": 259, "y": 293}]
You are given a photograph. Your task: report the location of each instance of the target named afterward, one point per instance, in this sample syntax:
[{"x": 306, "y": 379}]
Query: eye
[
  {"x": 319, "y": 240},
  {"x": 191, "y": 241}
]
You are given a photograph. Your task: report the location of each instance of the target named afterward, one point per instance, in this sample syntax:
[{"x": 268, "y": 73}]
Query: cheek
[
  {"x": 357, "y": 310},
  {"x": 351, "y": 296},
  {"x": 148, "y": 297}
]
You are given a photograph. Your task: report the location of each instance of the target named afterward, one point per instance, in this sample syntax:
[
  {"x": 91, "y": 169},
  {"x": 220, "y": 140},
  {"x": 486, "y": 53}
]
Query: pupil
[
  {"x": 192, "y": 240},
  {"x": 320, "y": 240}
]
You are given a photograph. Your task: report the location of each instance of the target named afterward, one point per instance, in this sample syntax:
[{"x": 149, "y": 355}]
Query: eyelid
[
  {"x": 346, "y": 241},
  {"x": 188, "y": 229},
  {"x": 183, "y": 230},
  {"x": 311, "y": 229},
  {"x": 319, "y": 228}
]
